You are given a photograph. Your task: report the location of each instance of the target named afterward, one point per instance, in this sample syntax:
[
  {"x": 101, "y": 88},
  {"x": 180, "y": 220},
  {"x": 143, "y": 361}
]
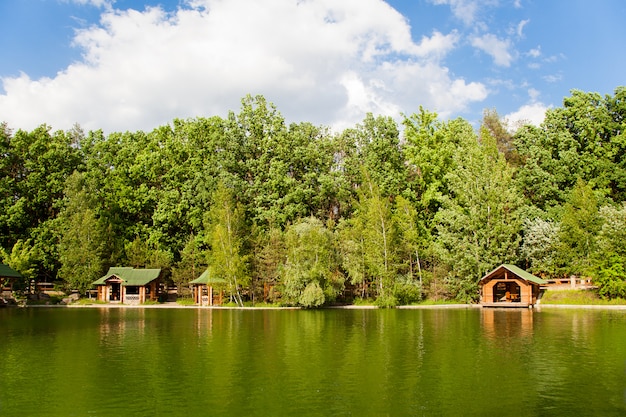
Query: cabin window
[{"x": 132, "y": 290}]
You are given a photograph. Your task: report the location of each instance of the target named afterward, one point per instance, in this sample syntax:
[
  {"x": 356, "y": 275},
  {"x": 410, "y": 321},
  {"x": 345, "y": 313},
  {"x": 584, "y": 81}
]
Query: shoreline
[{"x": 538, "y": 307}]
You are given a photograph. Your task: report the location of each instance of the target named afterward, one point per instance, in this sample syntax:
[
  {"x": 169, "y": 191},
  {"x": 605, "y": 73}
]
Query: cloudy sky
[{"x": 122, "y": 65}]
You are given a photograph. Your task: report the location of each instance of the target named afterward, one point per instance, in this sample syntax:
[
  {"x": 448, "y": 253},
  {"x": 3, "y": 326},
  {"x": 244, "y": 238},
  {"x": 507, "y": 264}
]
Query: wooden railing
[
  {"x": 131, "y": 299},
  {"x": 205, "y": 300}
]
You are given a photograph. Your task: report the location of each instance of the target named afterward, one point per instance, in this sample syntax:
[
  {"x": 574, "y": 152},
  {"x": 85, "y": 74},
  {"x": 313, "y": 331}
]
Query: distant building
[
  {"x": 8, "y": 276},
  {"x": 128, "y": 285},
  {"x": 509, "y": 286},
  {"x": 203, "y": 290}
]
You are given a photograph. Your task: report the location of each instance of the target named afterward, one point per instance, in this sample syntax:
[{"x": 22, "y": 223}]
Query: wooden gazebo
[
  {"x": 128, "y": 285},
  {"x": 203, "y": 289},
  {"x": 509, "y": 286},
  {"x": 8, "y": 276}
]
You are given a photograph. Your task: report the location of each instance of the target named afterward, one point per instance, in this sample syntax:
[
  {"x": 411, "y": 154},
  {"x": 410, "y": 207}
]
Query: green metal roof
[
  {"x": 205, "y": 278},
  {"x": 7, "y": 272},
  {"x": 519, "y": 272},
  {"x": 130, "y": 277}
]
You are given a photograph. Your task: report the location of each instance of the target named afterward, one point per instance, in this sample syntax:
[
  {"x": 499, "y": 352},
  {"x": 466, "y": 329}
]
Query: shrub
[
  {"x": 312, "y": 296},
  {"x": 407, "y": 292}
]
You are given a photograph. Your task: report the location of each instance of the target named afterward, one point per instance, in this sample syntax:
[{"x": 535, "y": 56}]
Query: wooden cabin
[
  {"x": 509, "y": 286},
  {"x": 128, "y": 285},
  {"x": 8, "y": 278},
  {"x": 204, "y": 290}
]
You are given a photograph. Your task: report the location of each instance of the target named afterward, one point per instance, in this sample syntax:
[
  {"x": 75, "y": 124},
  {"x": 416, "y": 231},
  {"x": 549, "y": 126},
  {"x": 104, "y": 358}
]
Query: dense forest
[{"x": 299, "y": 215}]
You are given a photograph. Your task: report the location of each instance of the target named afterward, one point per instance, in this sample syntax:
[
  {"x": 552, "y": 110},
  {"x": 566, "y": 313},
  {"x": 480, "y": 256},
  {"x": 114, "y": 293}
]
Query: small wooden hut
[
  {"x": 128, "y": 285},
  {"x": 204, "y": 293},
  {"x": 509, "y": 286},
  {"x": 8, "y": 277}
]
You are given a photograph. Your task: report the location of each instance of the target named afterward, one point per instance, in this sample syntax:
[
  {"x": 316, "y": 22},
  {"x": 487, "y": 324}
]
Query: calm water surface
[{"x": 196, "y": 362}]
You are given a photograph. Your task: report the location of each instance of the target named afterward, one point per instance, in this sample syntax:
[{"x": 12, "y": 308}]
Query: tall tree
[
  {"x": 479, "y": 224},
  {"x": 81, "y": 237},
  {"x": 227, "y": 259},
  {"x": 307, "y": 275},
  {"x": 192, "y": 263},
  {"x": 374, "y": 239},
  {"x": 579, "y": 226}
]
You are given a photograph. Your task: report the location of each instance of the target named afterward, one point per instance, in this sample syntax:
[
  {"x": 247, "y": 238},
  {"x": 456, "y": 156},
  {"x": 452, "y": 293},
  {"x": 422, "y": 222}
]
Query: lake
[{"x": 422, "y": 362}]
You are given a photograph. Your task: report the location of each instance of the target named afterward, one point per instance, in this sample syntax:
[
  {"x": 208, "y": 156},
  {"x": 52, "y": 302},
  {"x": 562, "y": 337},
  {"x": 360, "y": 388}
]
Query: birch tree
[{"x": 227, "y": 259}]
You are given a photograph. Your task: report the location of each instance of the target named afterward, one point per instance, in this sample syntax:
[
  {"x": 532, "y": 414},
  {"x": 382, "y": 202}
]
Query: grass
[
  {"x": 429, "y": 302},
  {"x": 88, "y": 301},
  {"x": 185, "y": 301},
  {"x": 577, "y": 297}
]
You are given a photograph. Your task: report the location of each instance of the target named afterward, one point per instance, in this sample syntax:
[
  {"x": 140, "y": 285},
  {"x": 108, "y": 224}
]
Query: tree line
[{"x": 297, "y": 214}]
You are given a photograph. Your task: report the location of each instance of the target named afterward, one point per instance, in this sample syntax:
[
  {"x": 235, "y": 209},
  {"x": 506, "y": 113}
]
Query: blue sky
[{"x": 135, "y": 65}]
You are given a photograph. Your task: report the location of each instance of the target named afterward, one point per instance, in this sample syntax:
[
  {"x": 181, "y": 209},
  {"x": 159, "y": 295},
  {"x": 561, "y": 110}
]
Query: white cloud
[
  {"x": 553, "y": 78},
  {"x": 535, "y": 52},
  {"x": 319, "y": 60},
  {"x": 532, "y": 113},
  {"x": 96, "y": 3},
  {"x": 520, "y": 27},
  {"x": 497, "y": 48},
  {"x": 464, "y": 10}
]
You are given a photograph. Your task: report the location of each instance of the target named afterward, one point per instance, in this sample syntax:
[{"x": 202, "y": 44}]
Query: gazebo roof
[
  {"x": 130, "y": 277},
  {"x": 7, "y": 272},
  {"x": 516, "y": 271},
  {"x": 205, "y": 278}
]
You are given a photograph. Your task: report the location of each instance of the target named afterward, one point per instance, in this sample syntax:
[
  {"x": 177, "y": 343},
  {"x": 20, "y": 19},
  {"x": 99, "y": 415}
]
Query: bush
[
  {"x": 386, "y": 300},
  {"x": 312, "y": 296},
  {"x": 185, "y": 301},
  {"x": 611, "y": 278},
  {"x": 407, "y": 292}
]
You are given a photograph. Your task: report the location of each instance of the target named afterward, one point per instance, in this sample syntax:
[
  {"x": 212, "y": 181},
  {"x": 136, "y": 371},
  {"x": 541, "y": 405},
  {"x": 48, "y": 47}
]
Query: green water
[{"x": 196, "y": 362}]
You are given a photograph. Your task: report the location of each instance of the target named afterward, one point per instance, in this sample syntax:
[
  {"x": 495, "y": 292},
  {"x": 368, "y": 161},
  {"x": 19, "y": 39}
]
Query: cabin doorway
[
  {"x": 114, "y": 294},
  {"x": 507, "y": 292}
]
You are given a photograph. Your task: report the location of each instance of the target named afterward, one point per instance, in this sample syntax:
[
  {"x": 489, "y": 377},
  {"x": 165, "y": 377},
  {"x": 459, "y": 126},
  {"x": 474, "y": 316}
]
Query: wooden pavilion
[
  {"x": 129, "y": 285},
  {"x": 8, "y": 277},
  {"x": 203, "y": 290},
  {"x": 509, "y": 286}
]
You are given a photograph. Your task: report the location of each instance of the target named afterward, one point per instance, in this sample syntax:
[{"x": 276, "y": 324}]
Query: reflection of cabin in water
[
  {"x": 204, "y": 290},
  {"x": 509, "y": 286},
  {"x": 128, "y": 285},
  {"x": 502, "y": 324}
]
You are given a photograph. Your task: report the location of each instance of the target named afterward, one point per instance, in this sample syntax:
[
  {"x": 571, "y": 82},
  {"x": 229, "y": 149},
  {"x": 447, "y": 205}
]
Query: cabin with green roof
[
  {"x": 204, "y": 293},
  {"x": 8, "y": 277},
  {"x": 510, "y": 286},
  {"x": 129, "y": 285}
]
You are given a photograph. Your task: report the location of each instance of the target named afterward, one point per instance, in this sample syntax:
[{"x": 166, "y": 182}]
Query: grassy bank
[{"x": 577, "y": 297}]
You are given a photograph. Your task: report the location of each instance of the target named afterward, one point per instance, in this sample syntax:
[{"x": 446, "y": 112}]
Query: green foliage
[
  {"x": 478, "y": 225},
  {"x": 23, "y": 258},
  {"x": 81, "y": 241},
  {"x": 192, "y": 263},
  {"x": 312, "y": 296},
  {"x": 578, "y": 297},
  {"x": 270, "y": 257},
  {"x": 407, "y": 291},
  {"x": 310, "y": 264},
  {"x": 283, "y": 211},
  {"x": 610, "y": 276},
  {"x": 227, "y": 260},
  {"x": 185, "y": 301},
  {"x": 580, "y": 223},
  {"x": 583, "y": 139},
  {"x": 540, "y": 246}
]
